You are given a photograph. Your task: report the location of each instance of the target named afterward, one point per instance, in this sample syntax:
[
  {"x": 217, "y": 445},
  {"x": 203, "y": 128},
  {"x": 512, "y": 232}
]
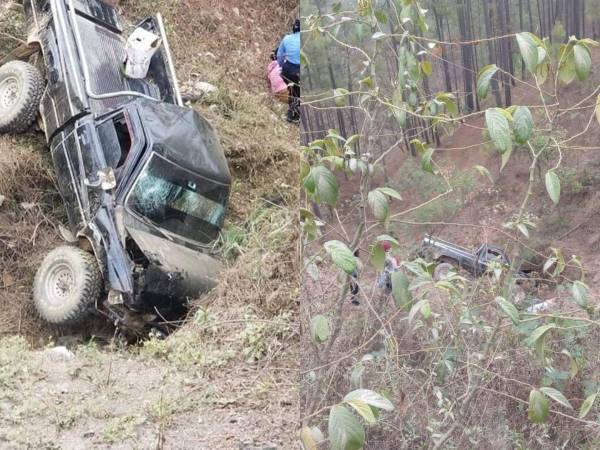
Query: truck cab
[{"x": 144, "y": 180}]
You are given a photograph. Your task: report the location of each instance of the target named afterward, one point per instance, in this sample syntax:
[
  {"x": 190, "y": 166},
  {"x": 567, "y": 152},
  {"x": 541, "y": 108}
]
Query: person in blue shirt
[{"x": 288, "y": 56}]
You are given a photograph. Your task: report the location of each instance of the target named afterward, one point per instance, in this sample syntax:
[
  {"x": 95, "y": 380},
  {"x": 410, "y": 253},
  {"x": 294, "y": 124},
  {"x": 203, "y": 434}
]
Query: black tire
[
  {"x": 21, "y": 89},
  {"x": 67, "y": 285}
]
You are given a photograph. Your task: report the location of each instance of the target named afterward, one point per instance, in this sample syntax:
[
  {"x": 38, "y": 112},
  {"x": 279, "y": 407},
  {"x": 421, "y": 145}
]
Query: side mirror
[{"x": 106, "y": 180}]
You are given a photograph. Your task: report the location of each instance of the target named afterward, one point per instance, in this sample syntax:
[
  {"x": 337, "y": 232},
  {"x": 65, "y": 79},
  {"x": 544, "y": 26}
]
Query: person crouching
[{"x": 288, "y": 57}]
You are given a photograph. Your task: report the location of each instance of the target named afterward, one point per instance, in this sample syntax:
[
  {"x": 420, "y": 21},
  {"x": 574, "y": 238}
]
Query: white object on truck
[{"x": 139, "y": 50}]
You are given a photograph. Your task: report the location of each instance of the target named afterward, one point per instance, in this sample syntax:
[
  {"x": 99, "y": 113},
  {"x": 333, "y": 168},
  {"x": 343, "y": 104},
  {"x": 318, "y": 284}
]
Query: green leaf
[
  {"x": 450, "y": 101},
  {"x": 327, "y": 189},
  {"x": 529, "y": 52},
  {"x": 426, "y": 162},
  {"x": 499, "y": 129},
  {"x": 484, "y": 171},
  {"x": 416, "y": 308},
  {"x": 426, "y": 310},
  {"x": 542, "y": 72},
  {"x": 484, "y": 78},
  {"x": 540, "y": 332},
  {"x": 583, "y": 61},
  {"x": 364, "y": 410},
  {"x": 345, "y": 431},
  {"x": 553, "y": 186},
  {"x": 387, "y": 237},
  {"x": 557, "y": 396},
  {"x": 426, "y": 68},
  {"x": 574, "y": 366},
  {"x": 539, "y": 407},
  {"x": 322, "y": 183},
  {"x": 378, "y": 256},
  {"x": 567, "y": 72},
  {"x": 537, "y": 338},
  {"x": 542, "y": 53},
  {"x": 352, "y": 140},
  {"x": 311, "y": 438},
  {"x": 505, "y": 157},
  {"x": 586, "y": 406},
  {"x": 381, "y": 17},
  {"x": 357, "y": 374},
  {"x": 341, "y": 255},
  {"x": 579, "y": 291},
  {"x": 340, "y": 96},
  {"x": 523, "y": 229},
  {"x": 400, "y": 283},
  {"x": 371, "y": 398},
  {"x": 522, "y": 124},
  {"x": 560, "y": 261},
  {"x": 379, "y": 204},
  {"x": 399, "y": 112},
  {"x": 319, "y": 329},
  {"x": 368, "y": 82},
  {"x": 508, "y": 309},
  {"x": 588, "y": 42},
  {"x": 390, "y": 192}
]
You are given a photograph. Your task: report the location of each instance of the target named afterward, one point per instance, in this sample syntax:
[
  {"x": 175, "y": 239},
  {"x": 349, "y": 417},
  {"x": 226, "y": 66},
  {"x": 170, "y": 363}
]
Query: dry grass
[{"x": 28, "y": 216}]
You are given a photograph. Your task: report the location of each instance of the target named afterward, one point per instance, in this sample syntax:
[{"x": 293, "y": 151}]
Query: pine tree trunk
[
  {"x": 529, "y": 12},
  {"x": 522, "y": 28},
  {"x": 511, "y": 63},
  {"x": 451, "y": 56},
  {"x": 491, "y": 44},
  {"x": 440, "y": 34},
  {"x": 504, "y": 52},
  {"x": 340, "y": 116},
  {"x": 467, "y": 54},
  {"x": 540, "y": 17},
  {"x": 314, "y": 132},
  {"x": 582, "y": 19}
]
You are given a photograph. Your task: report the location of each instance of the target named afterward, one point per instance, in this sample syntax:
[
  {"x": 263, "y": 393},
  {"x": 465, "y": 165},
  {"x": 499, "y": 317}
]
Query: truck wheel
[
  {"x": 442, "y": 270},
  {"x": 21, "y": 88},
  {"x": 66, "y": 285}
]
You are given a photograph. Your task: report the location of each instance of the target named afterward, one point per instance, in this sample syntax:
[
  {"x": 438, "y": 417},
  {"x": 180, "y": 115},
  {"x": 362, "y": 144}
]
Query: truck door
[{"x": 76, "y": 158}]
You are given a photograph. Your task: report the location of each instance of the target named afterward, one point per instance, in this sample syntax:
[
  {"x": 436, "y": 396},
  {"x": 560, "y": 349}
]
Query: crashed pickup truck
[
  {"x": 144, "y": 179},
  {"x": 451, "y": 255}
]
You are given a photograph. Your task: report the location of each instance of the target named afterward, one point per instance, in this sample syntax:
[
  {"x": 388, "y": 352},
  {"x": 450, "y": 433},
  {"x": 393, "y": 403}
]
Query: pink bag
[{"x": 278, "y": 85}]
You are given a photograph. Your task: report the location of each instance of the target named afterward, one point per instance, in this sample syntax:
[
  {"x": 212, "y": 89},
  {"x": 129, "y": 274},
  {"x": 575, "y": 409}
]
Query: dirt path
[{"x": 99, "y": 399}]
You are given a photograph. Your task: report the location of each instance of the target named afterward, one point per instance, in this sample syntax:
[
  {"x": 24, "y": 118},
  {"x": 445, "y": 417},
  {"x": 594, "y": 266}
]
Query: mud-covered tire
[
  {"x": 21, "y": 89},
  {"x": 442, "y": 270},
  {"x": 67, "y": 285}
]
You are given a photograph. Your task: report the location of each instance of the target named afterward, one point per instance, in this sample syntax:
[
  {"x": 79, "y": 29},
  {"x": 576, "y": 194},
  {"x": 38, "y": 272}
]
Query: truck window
[
  {"x": 179, "y": 201},
  {"x": 117, "y": 141}
]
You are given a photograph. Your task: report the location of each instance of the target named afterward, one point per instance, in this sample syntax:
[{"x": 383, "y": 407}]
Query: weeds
[
  {"x": 13, "y": 355},
  {"x": 260, "y": 337},
  {"x": 120, "y": 429}
]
